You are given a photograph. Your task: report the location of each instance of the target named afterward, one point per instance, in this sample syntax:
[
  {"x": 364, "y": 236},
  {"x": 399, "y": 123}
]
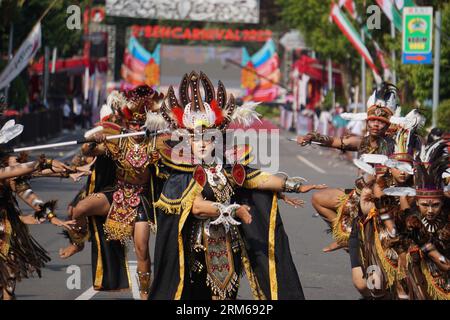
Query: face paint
[{"x": 430, "y": 208}]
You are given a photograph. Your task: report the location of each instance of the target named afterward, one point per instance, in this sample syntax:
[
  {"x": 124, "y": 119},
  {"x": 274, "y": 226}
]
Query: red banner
[{"x": 166, "y": 32}]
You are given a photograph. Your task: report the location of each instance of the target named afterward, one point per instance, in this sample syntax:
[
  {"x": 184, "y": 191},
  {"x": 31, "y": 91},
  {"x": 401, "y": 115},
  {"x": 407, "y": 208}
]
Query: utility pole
[
  {"x": 10, "y": 56},
  {"x": 394, "y": 73},
  {"x": 437, "y": 62},
  {"x": 363, "y": 74},
  {"x": 46, "y": 74},
  {"x": 330, "y": 82}
]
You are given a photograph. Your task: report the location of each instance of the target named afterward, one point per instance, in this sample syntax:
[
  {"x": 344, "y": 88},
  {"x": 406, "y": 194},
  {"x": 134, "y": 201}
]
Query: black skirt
[{"x": 21, "y": 255}]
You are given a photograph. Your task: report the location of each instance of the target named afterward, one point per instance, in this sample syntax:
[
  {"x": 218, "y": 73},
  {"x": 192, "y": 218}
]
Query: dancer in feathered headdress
[
  {"x": 383, "y": 215},
  {"x": 213, "y": 210},
  {"x": 127, "y": 203},
  {"x": 340, "y": 208},
  {"x": 109, "y": 264},
  {"x": 429, "y": 228}
]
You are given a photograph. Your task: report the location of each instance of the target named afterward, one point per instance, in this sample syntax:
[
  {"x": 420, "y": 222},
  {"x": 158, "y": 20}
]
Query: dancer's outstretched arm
[
  {"x": 18, "y": 170},
  {"x": 345, "y": 143},
  {"x": 278, "y": 184}
]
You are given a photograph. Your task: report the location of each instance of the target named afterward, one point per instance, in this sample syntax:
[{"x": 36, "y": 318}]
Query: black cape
[
  {"x": 109, "y": 261},
  {"x": 268, "y": 262}
]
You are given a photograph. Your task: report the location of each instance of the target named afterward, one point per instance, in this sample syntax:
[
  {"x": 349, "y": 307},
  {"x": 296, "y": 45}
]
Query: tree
[
  {"x": 415, "y": 81},
  {"x": 24, "y": 15}
]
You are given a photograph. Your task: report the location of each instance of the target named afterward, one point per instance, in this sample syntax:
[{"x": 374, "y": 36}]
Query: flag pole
[
  {"x": 10, "y": 56},
  {"x": 394, "y": 73},
  {"x": 42, "y": 16},
  {"x": 47, "y": 10},
  {"x": 363, "y": 73},
  {"x": 436, "y": 71}
]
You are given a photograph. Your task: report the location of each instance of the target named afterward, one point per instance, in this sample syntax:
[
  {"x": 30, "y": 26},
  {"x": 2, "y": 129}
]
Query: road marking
[
  {"x": 88, "y": 294},
  {"x": 132, "y": 265},
  {"x": 310, "y": 164}
]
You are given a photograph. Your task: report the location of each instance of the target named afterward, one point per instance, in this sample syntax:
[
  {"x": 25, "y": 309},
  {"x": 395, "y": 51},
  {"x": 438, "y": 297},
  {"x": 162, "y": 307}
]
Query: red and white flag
[
  {"x": 353, "y": 36},
  {"x": 387, "y": 74},
  {"x": 24, "y": 54},
  {"x": 349, "y": 6}
]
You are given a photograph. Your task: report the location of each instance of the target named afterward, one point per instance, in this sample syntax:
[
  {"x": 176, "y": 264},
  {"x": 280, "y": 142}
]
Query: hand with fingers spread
[
  {"x": 295, "y": 202},
  {"x": 68, "y": 225}
]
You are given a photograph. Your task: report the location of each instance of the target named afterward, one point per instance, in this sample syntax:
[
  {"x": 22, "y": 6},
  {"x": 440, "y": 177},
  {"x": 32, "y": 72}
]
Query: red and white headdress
[{"x": 191, "y": 110}]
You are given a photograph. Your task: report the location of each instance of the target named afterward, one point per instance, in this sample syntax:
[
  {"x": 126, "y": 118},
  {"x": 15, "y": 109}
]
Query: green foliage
[
  {"x": 311, "y": 17},
  {"x": 25, "y": 14},
  {"x": 18, "y": 94},
  {"x": 268, "y": 112},
  {"x": 443, "y": 115},
  {"x": 328, "y": 101}
]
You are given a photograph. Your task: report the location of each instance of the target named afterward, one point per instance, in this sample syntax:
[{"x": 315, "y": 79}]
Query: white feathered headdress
[
  {"x": 382, "y": 104},
  {"x": 105, "y": 112},
  {"x": 116, "y": 100}
]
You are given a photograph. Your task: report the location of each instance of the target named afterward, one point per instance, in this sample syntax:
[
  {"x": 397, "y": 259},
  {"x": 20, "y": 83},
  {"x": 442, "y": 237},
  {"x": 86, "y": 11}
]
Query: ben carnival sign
[{"x": 182, "y": 33}]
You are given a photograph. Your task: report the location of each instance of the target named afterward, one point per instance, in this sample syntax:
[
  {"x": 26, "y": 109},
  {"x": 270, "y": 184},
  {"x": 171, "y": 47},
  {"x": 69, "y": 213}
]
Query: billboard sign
[
  {"x": 417, "y": 35},
  {"x": 231, "y": 11}
]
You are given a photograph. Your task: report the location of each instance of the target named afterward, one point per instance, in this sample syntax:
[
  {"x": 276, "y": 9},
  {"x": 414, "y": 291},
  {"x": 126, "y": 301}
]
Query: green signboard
[{"x": 417, "y": 35}]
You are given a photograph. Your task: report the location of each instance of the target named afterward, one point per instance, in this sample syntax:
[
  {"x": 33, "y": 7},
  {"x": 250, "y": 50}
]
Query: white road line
[
  {"x": 88, "y": 294},
  {"x": 132, "y": 265},
  {"x": 310, "y": 164}
]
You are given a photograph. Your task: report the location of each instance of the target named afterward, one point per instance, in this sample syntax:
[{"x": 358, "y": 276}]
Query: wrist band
[
  {"x": 37, "y": 202},
  {"x": 50, "y": 216},
  {"x": 27, "y": 193},
  {"x": 392, "y": 233},
  {"x": 427, "y": 247},
  {"x": 385, "y": 217},
  {"x": 292, "y": 184}
]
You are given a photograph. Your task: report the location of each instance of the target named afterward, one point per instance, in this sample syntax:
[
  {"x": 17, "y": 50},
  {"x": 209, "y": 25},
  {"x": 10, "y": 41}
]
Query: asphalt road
[{"x": 323, "y": 276}]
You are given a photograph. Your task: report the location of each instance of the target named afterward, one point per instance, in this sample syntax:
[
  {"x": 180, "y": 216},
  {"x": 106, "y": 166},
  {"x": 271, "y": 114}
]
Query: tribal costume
[
  {"x": 382, "y": 229},
  {"x": 380, "y": 106},
  {"x": 130, "y": 202},
  {"x": 427, "y": 226},
  {"x": 429, "y": 229},
  {"x": 200, "y": 257},
  {"x": 136, "y": 187},
  {"x": 20, "y": 254},
  {"x": 109, "y": 263}
]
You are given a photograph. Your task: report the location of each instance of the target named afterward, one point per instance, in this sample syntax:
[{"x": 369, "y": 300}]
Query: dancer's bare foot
[
  {"x": 70, "y": 250},
  {"x": 333, "y": 247}
]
